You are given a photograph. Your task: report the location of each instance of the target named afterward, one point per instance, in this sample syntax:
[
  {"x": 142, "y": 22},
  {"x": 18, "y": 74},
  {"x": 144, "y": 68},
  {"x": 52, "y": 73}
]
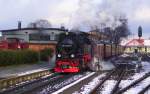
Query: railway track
[
  {"x": 49, "y": 84},
  {"x": 118, "y": 74},
  {"x": 135, "y": 83},
  {"x": 116, "y": 89},
  {"x": 59, "y": 83},
  {"x": 145, "y": 89},
  {"x": 28, "y": 87},
  {"x": 119, "y": 78},
  {"x": 53, "y": 82}
]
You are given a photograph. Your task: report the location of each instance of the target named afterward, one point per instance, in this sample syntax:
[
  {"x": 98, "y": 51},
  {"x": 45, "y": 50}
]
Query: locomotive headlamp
[
  {"x": 59, "y": 55},
  {"x": 72, "y": 55}
]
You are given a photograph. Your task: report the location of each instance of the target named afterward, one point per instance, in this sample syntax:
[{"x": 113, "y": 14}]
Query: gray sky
[{"x": 74, "y": 13}]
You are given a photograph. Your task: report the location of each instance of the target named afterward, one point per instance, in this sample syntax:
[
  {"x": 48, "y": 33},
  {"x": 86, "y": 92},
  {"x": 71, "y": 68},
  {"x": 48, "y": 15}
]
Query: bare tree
[{"x": 119, "y": 32}]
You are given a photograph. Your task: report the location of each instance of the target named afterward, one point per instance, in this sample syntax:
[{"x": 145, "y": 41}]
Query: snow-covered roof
[
  {"x": 147, "y": 42},
  {"x": 137, "y": 42}
]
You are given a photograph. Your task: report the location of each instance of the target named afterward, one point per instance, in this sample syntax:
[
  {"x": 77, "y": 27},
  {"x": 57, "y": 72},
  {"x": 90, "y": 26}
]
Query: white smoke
[{"x": 98, "y": 14}]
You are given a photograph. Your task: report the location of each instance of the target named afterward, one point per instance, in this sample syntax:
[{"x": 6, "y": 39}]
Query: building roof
[
  {"x": 8, "y": 30},
  {"x": 138, "y": 42},
  {"x": 147, "y": 42}
]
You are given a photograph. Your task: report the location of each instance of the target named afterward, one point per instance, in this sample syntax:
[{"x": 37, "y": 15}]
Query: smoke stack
[
  {"x": 19, "y": 24},
  {"x": 62, "y": 27}
]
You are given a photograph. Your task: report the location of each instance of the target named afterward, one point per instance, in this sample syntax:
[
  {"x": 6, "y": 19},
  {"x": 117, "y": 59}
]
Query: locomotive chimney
[
  {"x": 19, "y": 24},
  {"x": 62, "y": 27}
]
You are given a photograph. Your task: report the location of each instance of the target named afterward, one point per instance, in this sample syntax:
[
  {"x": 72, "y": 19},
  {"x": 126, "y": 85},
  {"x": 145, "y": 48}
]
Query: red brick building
[{"x": 37, "y": 38}]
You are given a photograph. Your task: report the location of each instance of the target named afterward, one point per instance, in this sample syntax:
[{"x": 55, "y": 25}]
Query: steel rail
[
  {"x": 120, "y": 76},
  {"x": 145, "y": 89},
  {"x": 101, "y": 83},
  {"x": 133, "y": 84}
]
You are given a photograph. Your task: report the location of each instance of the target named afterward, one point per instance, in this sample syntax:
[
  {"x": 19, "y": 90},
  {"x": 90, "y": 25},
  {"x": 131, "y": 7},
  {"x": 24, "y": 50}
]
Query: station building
[
  {"x": 141, "y": 45},
  {"x": 37, "y": 38}
]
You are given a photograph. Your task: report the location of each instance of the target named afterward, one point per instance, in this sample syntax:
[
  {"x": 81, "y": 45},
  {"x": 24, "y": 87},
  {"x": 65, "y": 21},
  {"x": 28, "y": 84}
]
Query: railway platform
[{"x": 17, "y": 70}]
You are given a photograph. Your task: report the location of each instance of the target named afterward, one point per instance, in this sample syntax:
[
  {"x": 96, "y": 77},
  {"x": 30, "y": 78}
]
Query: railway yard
[
  {"x": 123, "y": 79},
  {"x": 75, "y": 47}
]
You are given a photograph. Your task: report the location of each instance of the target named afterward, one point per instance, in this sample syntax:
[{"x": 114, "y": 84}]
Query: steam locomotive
[{"x": 76, "y": 52}]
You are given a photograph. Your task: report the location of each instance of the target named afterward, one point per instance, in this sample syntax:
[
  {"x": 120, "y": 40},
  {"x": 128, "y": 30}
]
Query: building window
[
  {"x": 56, "y": 37},
  {"x": 38, "y": 37},
  {"x": 45, "y": 37}
]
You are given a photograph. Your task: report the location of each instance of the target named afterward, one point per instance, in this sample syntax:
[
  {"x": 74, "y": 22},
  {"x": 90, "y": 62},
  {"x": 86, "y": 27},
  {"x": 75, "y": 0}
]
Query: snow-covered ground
[
  {"x": 107, "y": 65},
  {"x": 109, "y": 84},
  {"x": 62, "y": 89},
  {"x": 30, "y": 71},
  {"x": 17, "y": 70},
  {"x": 135, "y": 90},
  {"x": 86, "y": 89},
  {"x": 124, "y": 55},
  {"x": 139, "y": 87},
  {"x": 65, "y": 84},
  {"x": 145, "y": 69}
]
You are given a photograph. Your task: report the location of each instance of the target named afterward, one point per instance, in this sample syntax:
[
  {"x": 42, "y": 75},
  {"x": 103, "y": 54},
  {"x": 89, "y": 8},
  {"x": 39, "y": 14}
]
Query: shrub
[
  {"x": 45, "y": 54},
  {"x": 11, "y": 57}
]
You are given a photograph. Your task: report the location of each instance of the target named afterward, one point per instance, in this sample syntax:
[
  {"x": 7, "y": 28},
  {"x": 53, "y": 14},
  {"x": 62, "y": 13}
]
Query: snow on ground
[
  {"x": 127, "y": 82},
  {"x": 11, "y": 71},
  {"x": 86, "y": 89},
  {"x": 146, "y": 66},
  {"x": 139, "y": 87},
  {"x": 107, "y": 65},
  {"x": 65, "y": 84},
  {"x": 108, "y": 86},
  {"x": 145, "y": 69},
  {"x": 124, "y": 55},
  {"x": 64, "y": 88},
  {"x": 31, "y": 71}
]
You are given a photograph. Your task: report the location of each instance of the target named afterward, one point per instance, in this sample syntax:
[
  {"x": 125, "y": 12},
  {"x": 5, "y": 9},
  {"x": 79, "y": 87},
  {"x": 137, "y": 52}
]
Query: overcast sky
[{"x": 71, "y": 12}]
